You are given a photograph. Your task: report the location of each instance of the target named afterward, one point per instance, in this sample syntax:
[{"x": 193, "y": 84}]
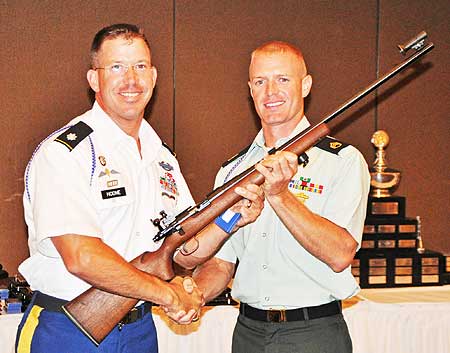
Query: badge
[
  {"x": 102, "y": 160},
  {"x": 305, "y": 184},
  {"x": 165, "y": 166},
  {"x": 335, "y": 144},
  {"x": 168, "y": 184},
  {"x": 109, "y": 194}
]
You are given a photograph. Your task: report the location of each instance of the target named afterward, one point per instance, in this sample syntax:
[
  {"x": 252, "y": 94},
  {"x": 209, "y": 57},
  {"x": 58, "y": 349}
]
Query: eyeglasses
[{"x": 121, "y": 69}]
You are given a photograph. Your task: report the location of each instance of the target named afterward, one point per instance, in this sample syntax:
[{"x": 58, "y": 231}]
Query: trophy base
[{"x": 386, "y": 207}]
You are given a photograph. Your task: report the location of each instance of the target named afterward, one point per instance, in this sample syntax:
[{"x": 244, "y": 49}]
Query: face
[
  {"x": 278, "y": 83},
  {"x": 123, "y": 96}
]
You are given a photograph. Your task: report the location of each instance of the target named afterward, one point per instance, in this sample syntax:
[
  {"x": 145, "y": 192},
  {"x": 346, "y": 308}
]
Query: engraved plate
[
  {"x": 406, "y": 261},
  {"x": 407, "y": 228},
  {"x": 368, "y": 244},
  {"x": 407, "y": 243},
  {"x": 430, "y": 270},
  {"x": 430, "y": 261},
  {"x": 355, "y": 263},
  {"x": 377, "y": 262},
  {"x": 377, "y": 271},
  {"x": 403, "y": 271},
  {"x": 355, "y": 271},
  {"x": 377, "y": 279},
  {"x": 403, "y": 279},
  {"x": 386, "y": 228},
  {"x": 386, "y": 244},
  {"x": 430, "y": 278},
  {"x": 384, "y": 208},
  {"x": 369, "y": 229}
]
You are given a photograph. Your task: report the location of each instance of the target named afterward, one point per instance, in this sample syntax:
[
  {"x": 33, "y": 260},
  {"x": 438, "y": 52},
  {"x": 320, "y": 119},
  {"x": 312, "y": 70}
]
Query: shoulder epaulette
[
  {"x": 237, "y": 155},
  {"x": 170, "y": 150},
  {"x": 330, "y": 144},
  {"x": 74, "y": 135}
]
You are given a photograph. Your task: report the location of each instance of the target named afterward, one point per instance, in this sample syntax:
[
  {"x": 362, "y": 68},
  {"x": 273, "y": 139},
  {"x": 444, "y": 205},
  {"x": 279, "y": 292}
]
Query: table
[{"x": 390, "y": 320}]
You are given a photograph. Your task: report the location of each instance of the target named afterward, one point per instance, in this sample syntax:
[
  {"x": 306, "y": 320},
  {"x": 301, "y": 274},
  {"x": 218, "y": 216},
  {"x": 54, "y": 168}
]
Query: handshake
[{"x": 187, "y": 301}]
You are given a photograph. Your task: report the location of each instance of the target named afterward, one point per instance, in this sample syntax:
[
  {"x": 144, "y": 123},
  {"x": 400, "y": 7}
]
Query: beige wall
[{"x": 202, "y": 106}]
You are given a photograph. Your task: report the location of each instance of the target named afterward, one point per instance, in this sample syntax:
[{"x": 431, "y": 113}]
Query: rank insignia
[
  {"x": 71, "y": 137},
  {"x": 168, "y": 183},
  {"x": 74, "y": 135},
  {"x": 331, "y": 145},
  {"x": 335, "y": 145},
  {"x": 166, "y": 166}
]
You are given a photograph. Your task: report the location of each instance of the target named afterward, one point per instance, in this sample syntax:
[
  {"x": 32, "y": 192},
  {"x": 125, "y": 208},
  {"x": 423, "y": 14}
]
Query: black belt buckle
[{"x": 276, "y": 315}]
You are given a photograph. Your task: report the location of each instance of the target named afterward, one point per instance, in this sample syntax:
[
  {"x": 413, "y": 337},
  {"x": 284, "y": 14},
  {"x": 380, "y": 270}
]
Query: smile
[
  {"x": 273, "y": 104},
  {"x": 129, "y": 94}
]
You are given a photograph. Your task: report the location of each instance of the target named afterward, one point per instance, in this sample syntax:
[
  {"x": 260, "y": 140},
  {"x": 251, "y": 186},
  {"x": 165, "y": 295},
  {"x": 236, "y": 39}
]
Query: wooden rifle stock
[{"x": 96, "y": 312}]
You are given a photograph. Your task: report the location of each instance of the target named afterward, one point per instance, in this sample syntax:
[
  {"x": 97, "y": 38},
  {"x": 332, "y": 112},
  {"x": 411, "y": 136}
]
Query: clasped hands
[{"x": 187, "y": 301}]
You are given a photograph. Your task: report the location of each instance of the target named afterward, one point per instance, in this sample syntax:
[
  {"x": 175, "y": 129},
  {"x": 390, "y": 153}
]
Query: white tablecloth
[{"x": 406, "y": 320}]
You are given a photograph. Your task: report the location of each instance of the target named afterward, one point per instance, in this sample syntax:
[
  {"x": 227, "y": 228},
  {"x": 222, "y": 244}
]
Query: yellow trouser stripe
[{"x": 26, "y": 335}]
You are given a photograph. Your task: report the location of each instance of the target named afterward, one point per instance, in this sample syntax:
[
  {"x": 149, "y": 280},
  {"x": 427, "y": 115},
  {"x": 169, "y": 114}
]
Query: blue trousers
[{"x": 43, "y": 331}]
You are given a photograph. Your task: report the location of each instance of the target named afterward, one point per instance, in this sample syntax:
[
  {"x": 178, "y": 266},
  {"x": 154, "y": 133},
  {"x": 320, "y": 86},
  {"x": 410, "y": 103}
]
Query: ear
[
  {"x": 154, "y": 75},
  {"x": 92, "y": 77},
  {"x": 306, "y": 85},
  {"x": 250, "y": 86}
]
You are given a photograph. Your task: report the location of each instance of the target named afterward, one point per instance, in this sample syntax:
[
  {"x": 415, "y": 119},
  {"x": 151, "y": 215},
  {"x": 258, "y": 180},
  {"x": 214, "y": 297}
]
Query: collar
[
  {"x": 111, "y": 135},
  {"x": 259, "y": 140}
]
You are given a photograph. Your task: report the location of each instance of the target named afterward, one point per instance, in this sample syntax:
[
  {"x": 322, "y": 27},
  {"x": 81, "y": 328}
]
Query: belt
[
  {"x": 302, "y": 314},
  {"x": 54, "y": 304}
]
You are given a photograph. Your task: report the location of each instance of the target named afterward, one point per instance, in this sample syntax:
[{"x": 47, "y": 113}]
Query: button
[
  {"x": 264, "y": 235},
  {"x": 267, "y": 299},
  {"x": 264, "y": 267}
]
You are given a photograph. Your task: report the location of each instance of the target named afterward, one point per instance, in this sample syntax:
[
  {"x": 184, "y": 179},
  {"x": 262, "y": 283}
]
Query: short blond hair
[{"x": 276, "y": 47}]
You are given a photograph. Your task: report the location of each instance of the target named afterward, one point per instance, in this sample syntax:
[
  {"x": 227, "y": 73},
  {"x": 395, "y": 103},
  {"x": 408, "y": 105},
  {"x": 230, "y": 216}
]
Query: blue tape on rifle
[{"x": 227, "y": 220}]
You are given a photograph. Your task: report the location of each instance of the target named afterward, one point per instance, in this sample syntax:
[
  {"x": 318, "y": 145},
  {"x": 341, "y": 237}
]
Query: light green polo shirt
[{"x": 274, "y": 270}]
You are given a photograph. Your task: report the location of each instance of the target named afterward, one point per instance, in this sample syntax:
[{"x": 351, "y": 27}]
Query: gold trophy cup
[{"x": 383, "y": 180}]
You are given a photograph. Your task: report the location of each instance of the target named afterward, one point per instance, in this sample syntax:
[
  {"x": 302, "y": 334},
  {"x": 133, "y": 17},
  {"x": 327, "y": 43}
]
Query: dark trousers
[{"x": 323, "y": 335}]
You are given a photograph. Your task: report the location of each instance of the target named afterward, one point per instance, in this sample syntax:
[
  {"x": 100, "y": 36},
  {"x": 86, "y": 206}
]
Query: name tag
[{"x": 109, "y": 194}]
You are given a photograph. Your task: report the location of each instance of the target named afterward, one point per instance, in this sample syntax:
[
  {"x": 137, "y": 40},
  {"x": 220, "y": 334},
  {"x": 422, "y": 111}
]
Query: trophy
[{"x": 383, "y": 182}]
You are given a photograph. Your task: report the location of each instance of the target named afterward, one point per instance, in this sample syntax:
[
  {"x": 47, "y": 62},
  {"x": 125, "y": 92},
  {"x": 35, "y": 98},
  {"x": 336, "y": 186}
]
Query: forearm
[
  {"x": 325, "y": 240},
  {"x": 99, "y": 265},
  {"x": 202, "y": 247},
  {"x": 213, "y": 276}
]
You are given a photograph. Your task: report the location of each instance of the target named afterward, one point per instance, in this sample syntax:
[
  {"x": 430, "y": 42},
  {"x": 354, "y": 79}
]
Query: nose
[
  {"x": 130, "y": 74},
  {"x": 272, "y": 87}
]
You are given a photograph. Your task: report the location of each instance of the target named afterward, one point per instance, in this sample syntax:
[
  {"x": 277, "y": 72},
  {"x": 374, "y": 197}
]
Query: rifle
[{"x": 96, "y": 312}]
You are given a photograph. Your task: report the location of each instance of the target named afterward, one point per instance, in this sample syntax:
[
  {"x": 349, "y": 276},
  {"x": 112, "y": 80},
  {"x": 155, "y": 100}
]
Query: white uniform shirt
[
  {"x": 102, "y": 188},
  {"x": 274, "y": 270}
]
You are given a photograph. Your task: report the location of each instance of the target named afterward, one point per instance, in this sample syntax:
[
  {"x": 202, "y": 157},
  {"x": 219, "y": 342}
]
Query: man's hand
[
  {"x": 250, "y": 206},
  {"x": 278, "y": 170},
  {"x": 187, "y": 302}
]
